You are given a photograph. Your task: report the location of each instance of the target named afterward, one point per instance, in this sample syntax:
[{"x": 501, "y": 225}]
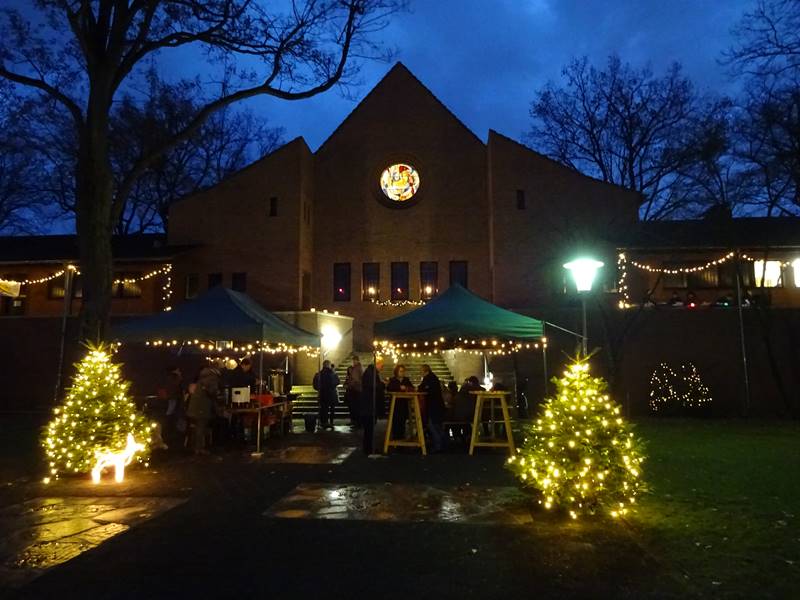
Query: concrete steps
[{"x": 306, "y": 401}]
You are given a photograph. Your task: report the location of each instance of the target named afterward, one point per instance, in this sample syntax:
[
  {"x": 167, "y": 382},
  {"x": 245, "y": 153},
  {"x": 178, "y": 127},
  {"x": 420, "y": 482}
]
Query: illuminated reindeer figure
[{"x": 118, "y": 460}]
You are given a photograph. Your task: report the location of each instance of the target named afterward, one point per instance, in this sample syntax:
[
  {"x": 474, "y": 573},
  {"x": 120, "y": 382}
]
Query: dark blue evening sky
[{"x": 485, "y": 58}]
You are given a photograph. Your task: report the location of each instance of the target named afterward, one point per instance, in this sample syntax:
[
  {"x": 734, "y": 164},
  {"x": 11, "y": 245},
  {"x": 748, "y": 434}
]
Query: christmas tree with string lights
[
  {"x": 580, "y": 454},
  {"x": 96, "y": 416}
]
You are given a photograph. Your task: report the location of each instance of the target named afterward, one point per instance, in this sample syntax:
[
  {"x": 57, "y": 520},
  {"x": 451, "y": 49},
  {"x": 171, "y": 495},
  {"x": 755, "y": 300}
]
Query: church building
[{"x": 398, "y": 203}]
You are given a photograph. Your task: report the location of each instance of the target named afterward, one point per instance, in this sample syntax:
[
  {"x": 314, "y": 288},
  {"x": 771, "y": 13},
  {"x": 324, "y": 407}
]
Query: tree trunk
[{"x": 93, "y": 221}]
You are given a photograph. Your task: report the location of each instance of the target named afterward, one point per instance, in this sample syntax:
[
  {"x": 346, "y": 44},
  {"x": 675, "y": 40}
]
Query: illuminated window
[
  {"x": 127, "y": 289},
  {"x": 341, "y": 282},
  {"x": 428, "y": 279},
  {"x": 458, "y": 273},
  {"x": 399, "y": 281},
  {"x": 767, "y": 273},
  {"x": 796, "y": 272},
  {"x": 370, "y": 281},
  {"x": 14, "y": 307},
  {"x": 400, "y": 182}
]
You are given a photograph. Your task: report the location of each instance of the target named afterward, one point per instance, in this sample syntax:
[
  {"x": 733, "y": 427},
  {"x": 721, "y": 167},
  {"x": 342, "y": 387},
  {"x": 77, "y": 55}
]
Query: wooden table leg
[
  {"x": 507, "y": 420},
  {"x": 418, "y": 421},
  {"x": 475, "y": 422},
  {"x": 389, "y": 422}
]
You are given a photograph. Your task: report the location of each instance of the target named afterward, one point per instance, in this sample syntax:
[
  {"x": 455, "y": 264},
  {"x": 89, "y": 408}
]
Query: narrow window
[
  {"x": 273, "y": 206},
  {"x": 399, "y": 281},
  {"x": 428, "y": 279},
  {"x": 239, "y": 282},
  {"x": 458, "y": 273},
  {"x": 214, "y": 279},
  {"x": 370, "y": 281},
  {"x": 341, "y": 282},
  {"x": 192, "y": 286},
  {"x": 521, "y": 202}
]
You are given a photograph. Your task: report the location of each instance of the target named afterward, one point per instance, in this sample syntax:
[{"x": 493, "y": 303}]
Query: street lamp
[{"x": 583, "y": 271}]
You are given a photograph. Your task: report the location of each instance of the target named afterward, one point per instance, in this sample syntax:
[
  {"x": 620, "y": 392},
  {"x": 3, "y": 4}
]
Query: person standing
[
  {"x": 175, "y": 419},
  {"x": 201, "y": 405},
  {"x": 399, "y": 383},
  {"x": 372, "y": 399},
  {"x": 353, "y": 385},
  {"x": 434, "y": 402},
  {"x": 326, "y": 382}
]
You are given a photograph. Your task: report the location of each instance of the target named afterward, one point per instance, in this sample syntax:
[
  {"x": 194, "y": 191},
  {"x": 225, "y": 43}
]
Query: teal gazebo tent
[
  {"x": 219, "y": 314},
  {"x": 458, "y": 318}
]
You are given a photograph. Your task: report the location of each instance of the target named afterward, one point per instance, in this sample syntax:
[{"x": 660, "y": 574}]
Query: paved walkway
[{"x": 314, "y": 518}]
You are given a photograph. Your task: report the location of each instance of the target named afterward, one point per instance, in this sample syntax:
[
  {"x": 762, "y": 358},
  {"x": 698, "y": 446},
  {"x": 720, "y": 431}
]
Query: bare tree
[
  {"x": 768, "y": 40},
  {"x": 625, "y": 126},
  {"x": 22, "y": 207},
  {"x": 227, "y": 141},
  {"x": 81, "y": 54}
]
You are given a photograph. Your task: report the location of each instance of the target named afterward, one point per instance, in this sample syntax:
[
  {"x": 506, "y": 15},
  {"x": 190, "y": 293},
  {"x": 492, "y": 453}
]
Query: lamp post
[{"x": 583, "y": 271}]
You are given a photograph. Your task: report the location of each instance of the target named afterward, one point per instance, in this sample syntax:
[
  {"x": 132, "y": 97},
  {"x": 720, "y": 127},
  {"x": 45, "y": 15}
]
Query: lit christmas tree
[
  {"x": 580, "y": 455},
  {"x": 95, "y": 419}
]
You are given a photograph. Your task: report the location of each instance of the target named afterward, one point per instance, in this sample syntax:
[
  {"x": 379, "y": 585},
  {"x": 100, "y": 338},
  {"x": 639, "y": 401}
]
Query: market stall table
[
  {"x": 482, "y": 396},
  {"x": 282, "y": 405},
  {"x": 414, "y": 409}
]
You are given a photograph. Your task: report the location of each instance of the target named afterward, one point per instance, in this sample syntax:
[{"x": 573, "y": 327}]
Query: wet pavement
[
  {"x": 45, "y": 532},
  {"x": 405, "y": 502},
  {"x": 307, "y": 455}
]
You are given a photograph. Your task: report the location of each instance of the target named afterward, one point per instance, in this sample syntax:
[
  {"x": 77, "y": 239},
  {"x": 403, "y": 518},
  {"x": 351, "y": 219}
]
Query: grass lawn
[{"x": 724, "y": 509}]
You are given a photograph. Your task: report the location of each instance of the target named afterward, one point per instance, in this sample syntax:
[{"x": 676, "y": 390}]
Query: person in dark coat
[
  {"x": 434, "y": 404},
  {"x": 201, "y": 405},
  {"x": 175, "y": 417},
  {"x": 399, "y": 383},
  {"x": 326, "y": 382},
  {"x": 372, "y": 403},
  {"x": 243, "y": 375}
]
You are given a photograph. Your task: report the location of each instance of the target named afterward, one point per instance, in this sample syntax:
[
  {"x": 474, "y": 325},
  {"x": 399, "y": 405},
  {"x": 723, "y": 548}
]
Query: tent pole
[
  {"x": 65, "y": 314},
  {"x": 544, "y": 358}
]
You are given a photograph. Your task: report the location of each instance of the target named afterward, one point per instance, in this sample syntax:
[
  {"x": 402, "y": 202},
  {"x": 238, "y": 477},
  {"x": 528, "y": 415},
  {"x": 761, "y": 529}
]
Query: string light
[
  {"x": 165, "y": 270},
  {"x": 580, "y": 455},
  {"x": 397, "y": 303},
  {"x": 622, "y": 283},
  {"x": 212, "y": 347},
  {"x": 677, "y": 270},
  {"x": 475, "y": 346},
  {"x": 673, "y": 392}
]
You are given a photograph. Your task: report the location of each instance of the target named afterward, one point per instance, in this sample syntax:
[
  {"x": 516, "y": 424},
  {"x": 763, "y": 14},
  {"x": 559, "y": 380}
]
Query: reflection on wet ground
[
  {"x": 308, "y": 455},
  {"x": 44, "y": 532},
  {"x": 401, "y": 502}
]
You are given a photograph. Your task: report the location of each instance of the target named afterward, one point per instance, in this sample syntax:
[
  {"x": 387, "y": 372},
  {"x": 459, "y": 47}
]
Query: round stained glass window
[{"x": 399, "y": 182}]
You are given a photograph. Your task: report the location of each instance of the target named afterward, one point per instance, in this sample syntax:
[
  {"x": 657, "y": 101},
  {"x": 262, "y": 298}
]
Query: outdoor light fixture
[
  {"x": 428, "y": 290},
  {"x": 583, "y": 271},
  {"x": 330, "y": 337},
  {"x": 796, "y": 269}
]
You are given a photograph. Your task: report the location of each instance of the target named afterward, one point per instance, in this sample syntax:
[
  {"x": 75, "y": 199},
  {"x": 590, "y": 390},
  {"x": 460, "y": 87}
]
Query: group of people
[
  {"x": 182, "y": 410},
  {"x": 365, "y": 393}
]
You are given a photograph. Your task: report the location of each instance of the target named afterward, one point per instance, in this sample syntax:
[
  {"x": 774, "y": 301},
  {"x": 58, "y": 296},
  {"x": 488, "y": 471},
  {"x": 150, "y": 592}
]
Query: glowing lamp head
[
  {"x": 330, "y": 337},
  {"x": 583, "y": 270},
  {"x": 371, "y": 291}
]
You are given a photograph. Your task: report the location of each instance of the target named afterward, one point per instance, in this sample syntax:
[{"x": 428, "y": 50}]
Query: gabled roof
[
  {"x": 64, "y": 248},
  {"x": 279, "y": 150},
  {"x": 573, "y": 172},
  {"x": 399, "y": 70}
]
